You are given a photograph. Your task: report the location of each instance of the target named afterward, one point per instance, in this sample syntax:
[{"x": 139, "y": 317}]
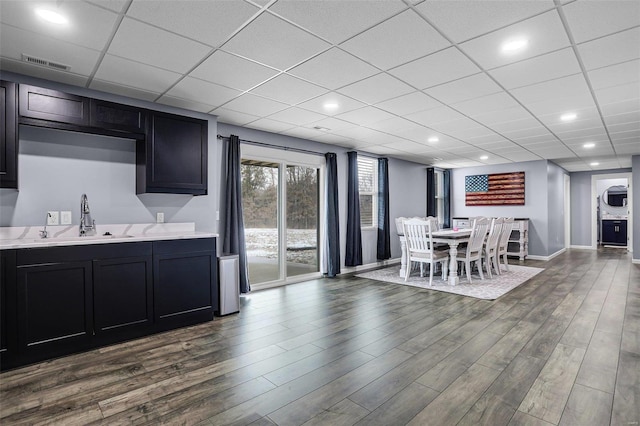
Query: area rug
[{"x": 488, "y": 289}]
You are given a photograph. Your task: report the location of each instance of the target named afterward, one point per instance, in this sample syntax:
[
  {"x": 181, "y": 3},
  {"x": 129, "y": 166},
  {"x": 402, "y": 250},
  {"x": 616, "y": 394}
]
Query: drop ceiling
[{"x": 399, "y": 73}]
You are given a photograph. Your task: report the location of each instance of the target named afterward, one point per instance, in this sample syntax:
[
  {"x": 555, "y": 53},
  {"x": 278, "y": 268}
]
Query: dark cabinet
[
  {"x": 614, "y": 232},
  {"x": 8, "y": 336},
  {"x": 54, "y": 308},
  {"x": 174, "y": 156},
  {"x": 184, "y": 281},
  {"x": 113, "y": 116},
  {"x": 52, "y": 105},
  {"x": 8, "y": 135},
  {"x": 122, "y": 295}
]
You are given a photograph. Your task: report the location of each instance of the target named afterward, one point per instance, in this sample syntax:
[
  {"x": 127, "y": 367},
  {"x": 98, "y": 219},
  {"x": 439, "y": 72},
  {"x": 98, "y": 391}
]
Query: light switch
[
  {"x": 65, "y": 217},
  {"x": 160, "y": 217}
]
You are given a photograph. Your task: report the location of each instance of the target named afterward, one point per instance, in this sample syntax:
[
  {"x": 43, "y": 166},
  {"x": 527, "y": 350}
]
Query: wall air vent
[{"x": 45, "y": 63}]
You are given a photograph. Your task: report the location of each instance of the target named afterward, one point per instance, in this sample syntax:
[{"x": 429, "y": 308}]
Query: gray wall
[
  {"x": 635, "y": 166},
  {"x": 57, "y": 167},
  {"x": 407, "y": 185},
  {"x": 536, "y": 200},
  {"x": 581, "y": 204}
]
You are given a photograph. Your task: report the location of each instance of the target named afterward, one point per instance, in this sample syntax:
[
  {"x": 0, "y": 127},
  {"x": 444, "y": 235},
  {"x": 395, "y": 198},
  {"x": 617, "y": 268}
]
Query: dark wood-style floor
[{"x": 564, "y": 348}]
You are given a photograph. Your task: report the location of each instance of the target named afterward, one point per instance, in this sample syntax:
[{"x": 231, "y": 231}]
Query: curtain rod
[{"x": 285, "y": 148}]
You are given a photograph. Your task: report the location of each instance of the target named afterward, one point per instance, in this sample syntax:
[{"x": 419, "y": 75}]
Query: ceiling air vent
[{"x": 45, "y": 63}]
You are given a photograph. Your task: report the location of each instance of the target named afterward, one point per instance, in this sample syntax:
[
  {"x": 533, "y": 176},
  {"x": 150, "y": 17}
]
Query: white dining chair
[
  {"x": 473, "y": 251},
  {"x": 420, "y": 248},
  {"x": 503, "y": 243},
  {"x": 491, "y": 260}
]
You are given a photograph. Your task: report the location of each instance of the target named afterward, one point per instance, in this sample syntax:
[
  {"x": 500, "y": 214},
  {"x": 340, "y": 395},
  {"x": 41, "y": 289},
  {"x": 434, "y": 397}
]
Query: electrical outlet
[
  {"x": 53, "y": 218},
  {"x": 65, "y": 217},
  {"x": 160, "y": 217}
]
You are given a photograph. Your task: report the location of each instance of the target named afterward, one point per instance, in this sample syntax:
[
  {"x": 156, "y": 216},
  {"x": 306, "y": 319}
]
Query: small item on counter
[{"x": 106, "y": 234}]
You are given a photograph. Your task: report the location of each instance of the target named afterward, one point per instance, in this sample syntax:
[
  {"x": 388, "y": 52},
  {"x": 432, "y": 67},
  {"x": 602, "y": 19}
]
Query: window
[{"x": 368, "y": 188}]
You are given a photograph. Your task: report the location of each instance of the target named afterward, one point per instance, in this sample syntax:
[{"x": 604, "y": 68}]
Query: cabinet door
[
  {"x": 55, "y": 309},
  {"x": 176, "y": 155},
  {"x": 113, "y": 116},
  {"x": 52, "y": 105},
  {"x": 608, "y": 232},
  {"x": 122, "y": 294},
  {"x": 184, "y": 283},
  {"x": 8, "y": 136},
  {"x": 621, "y": 236},
  {"x": 8, "y": 337}
]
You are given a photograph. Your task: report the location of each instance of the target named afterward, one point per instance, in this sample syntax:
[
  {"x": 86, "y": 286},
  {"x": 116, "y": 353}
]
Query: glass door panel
[
  {"x": 302, "y": 220},
  {"x": 260, "y": 212}
]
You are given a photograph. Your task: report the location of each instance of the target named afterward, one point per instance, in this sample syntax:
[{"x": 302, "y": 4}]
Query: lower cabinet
[
  {"x": 614, "y": 232},
  {"x": 184, "y": 282},
  {"x": 60, "y": 300}
]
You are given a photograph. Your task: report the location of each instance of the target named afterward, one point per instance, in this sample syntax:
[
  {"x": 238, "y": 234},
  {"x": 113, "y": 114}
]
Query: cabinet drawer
[{"x": 113, "y": 116}]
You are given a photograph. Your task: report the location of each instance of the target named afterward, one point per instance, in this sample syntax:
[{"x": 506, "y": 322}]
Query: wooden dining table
[{"x": 452, "y": 237}]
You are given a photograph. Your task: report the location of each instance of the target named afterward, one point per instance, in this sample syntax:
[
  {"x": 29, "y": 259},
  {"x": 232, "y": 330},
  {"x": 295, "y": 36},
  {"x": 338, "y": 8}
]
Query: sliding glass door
[{"x": 281, "y": 205}]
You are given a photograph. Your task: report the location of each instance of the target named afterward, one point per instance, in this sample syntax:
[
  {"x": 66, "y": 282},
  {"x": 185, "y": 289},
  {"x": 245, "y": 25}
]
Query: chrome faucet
[
  {"x": 44, "y": 233},
  {"x": 87, "y": 225}
]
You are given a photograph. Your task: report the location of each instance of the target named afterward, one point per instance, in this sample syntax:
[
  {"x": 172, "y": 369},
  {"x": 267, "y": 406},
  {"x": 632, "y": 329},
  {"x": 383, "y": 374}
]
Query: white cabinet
[{"x": 519, "y": 239}]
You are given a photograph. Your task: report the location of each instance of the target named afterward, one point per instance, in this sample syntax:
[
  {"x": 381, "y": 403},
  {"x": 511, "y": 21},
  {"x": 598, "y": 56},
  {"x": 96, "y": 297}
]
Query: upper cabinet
[
  {"x": 175, "y": 157},
  {"x": 171, "y": 150},
  {"x": 8, "y": 135},
  {"x": 113, "y": 116},
  {"x": 52, "y": 105}
]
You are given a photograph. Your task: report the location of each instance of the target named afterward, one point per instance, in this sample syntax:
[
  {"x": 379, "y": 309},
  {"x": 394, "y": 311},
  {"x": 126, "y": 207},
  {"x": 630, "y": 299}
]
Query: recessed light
[
  {"x": 514, "y": 45},
  {"x": 595, "y": 163},
  {"x": 568, "y": 116},
  {"x": 589, "y": 145},
  {"x": 51, "y": 16},
  {"x": 330, "y": 105},
  {"x": 484, "y": 157},
  {"x": 433, "y": 139}
]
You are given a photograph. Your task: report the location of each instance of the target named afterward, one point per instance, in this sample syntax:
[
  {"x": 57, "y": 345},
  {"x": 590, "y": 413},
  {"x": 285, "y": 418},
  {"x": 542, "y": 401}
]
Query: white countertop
[{"x": 28, "y": 237}]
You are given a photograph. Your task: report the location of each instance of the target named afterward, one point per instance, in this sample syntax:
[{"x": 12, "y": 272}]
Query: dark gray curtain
[
  {"x": 233, "y": 226},
  {"x": 353, "y": 256},
  {"x": 431, "y": 192},
  {"x": 333, "y": 216},
  {"x": 384, "y": 238},
  {"x": 446, "y": 184}
]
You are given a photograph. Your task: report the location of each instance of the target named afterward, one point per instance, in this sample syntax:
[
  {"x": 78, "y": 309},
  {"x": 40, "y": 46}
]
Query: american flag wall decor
[{"x": 495, "y": 189}]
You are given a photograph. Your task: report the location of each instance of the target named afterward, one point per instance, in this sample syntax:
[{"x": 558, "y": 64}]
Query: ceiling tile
[
  {"x": 435, "y": 69},
  {"x": 119, "y": 89},
  {"x": 498, "y": 116},
  {"x": 614, "y": 75},
  {"x": 14, "y": 42},
  {"x": 133, "y": 74},
  {"x": 270, "y": 125},
  {"x": 89, "y": 25},
  {"x": 522, "y": 156},
  {"x": 392, "y": 42},
  {"x": 421, "y": 134},
  {"x": 559, "y": 95},
  {"x": 271, "y": 41},
  {"x": 544, "y": 32},
  {"x": 611, "y": 50},
  {"x": 623, "y": 95},
  {"x": 496, "y": 102},
  {"x": 255, "y": 105},
  {"x": 232, "y": 71},
  {"x": 144, "y": 43},
  {"x": 336, "y": 21},
  {"x": 393, "y": 125},
  {"x": 462, "y": 20},
  {"x": 296, "y": 116},
  {"x": 331, "y": 123},
  {"x": 466, "y": 88},
  {"x": 184, "y": 103},
  {"x": 376, "y": 89},
  {"x": 203, "y": 92},
  {"x": 233, "y": 117},
  {"x": 535, "y": 70},
  {"x": 333, "y": 69},
  {"x": 364, "y": 116},
  {"x": 41, "y": 72},
  {"x": 435, "y": 115},
  {"x": 288, "y": 89},
  {"x": 115, "y": 5},
  {"x": 331, "y": 139},
  {"x": 193, "y": 18},
  {"x": 590, "y": 19},
  {"x": 406, "y": 104},
  {"x": 619, "y": 119},
  {"x": 343, "y": 103}
]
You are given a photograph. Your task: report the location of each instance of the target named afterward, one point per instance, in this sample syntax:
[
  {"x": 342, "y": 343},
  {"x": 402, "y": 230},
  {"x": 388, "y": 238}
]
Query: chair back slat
[
  {"x": 417, "y": 233},
  {"x": 494, "y": 234},
  {"x": 478, "y": 234},
  {"x": 507, "y": 227}
]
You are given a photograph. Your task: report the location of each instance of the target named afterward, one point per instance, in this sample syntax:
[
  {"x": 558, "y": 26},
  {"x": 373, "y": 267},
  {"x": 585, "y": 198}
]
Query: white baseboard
[
  {"x": 636, "y": 261},
  {"x": 583, "y": 247},
  {"x": 546, "y": 258},
  {"x": 360, "y": 268}
]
